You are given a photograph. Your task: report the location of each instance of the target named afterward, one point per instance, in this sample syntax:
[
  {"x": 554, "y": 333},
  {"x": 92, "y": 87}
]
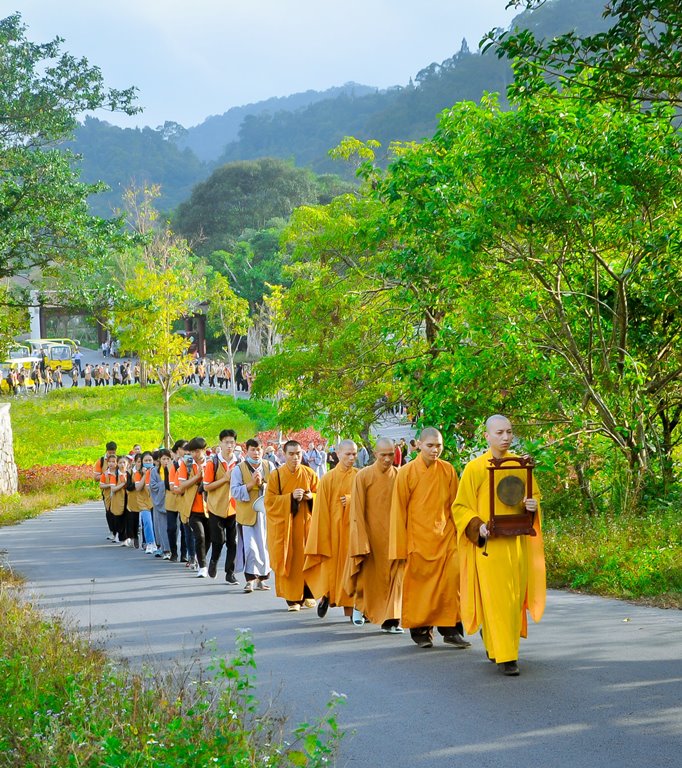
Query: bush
[{"x": 65, "y": 704}]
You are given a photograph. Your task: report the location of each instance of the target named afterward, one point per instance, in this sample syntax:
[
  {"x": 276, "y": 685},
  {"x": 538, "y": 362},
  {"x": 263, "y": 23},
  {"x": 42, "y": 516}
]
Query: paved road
[{"x": 601, "y": 681}]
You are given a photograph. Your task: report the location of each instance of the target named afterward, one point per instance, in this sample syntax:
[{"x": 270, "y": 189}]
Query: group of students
[{"x": 401, "y": 547}]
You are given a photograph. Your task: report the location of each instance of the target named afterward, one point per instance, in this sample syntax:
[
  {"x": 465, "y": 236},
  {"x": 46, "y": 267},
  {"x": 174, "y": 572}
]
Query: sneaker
[
  {"x": 111, "y": 538},
  {"x": 262, "y": 585},
  {"x": 230, "y": 578},
  {"x": 294, "y": 607},
  {"x": 173, "y": 558},
  {"x": 150, "y": 549},
  {"x": 392, "y": 629},
  {"x": 158, "y": 553},
  {"x": 167, "y": 556},
  {"x": 212, "y": 568},
  {"x": 127, "y": 543},
  {"x": 202, "y": 573},
  {"x": 357, "y": 618},
  {"x": 309, "y": 603},
  {"x": 194, "y": 565},
  {"x": 323, "y": 607},
  {"x": 248, "y": 587},
  {"x": 184, "y": 559}
]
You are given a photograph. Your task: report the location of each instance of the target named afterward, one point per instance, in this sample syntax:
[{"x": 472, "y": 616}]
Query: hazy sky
[{"x": 194, "y": 58}]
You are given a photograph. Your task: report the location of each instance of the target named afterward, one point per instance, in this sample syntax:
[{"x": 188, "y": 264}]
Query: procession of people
[{"x": 403, "y": 545}]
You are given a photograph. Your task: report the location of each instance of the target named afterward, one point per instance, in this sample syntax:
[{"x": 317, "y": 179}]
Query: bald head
[
  {"x": 347, "y": 452},
  {"x": 430, "y": 445},
  {"x": 429, "y": 433},
  {"x": 499, "y": 435},
  {"x": 384, "y": 453},
  {"x": 385, "y": 443},
  {"x": 490, "y": 423}
]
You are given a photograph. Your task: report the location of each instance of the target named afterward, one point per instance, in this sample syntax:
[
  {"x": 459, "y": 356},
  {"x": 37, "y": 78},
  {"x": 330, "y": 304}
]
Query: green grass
[
  {"x": 63, "y": 703},
  {"x": 626, "y": 556},
  {"x": 71, "y": 426}
]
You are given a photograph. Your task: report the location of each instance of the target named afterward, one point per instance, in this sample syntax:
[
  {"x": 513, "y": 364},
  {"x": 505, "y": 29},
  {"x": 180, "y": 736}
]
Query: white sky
[{"x": 192, "y": 59}]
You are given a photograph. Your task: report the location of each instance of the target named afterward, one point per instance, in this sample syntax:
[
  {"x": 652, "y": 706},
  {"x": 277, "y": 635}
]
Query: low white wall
[{"x": 8, "y": 469}]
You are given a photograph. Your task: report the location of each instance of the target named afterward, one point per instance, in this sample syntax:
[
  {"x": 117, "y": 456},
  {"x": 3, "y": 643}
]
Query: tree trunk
[
  {"x": 166, "y": 414},
  {"x": 254, "y": 347}
]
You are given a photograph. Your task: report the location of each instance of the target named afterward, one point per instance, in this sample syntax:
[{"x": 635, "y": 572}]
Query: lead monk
[
  {"x": 502, "y": 578},
  {"x": 424, "y": 538}
]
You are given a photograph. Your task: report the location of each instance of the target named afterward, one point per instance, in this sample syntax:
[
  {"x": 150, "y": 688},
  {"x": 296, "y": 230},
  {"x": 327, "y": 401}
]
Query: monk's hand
[
  {"x": 343, "y": 501},
  {"x": 298, "y": 494},
  {"x": 531, "y": 505},
  {"x": 483, "y": 531},
  {"x": 308, "y": 495}
]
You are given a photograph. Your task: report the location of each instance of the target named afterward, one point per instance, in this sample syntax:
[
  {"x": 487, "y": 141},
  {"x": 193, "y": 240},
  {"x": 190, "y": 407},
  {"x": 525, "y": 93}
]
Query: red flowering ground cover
[
  {"x": 38, "y": 477},
  {"x": 304, "y": 437}
]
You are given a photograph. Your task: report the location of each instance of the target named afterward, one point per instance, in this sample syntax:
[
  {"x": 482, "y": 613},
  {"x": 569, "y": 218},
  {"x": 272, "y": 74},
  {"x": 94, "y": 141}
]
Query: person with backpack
[
  {"x": 247, "y": 486},
  {"x": 222, "y": 520},
  {"x": 191, "y": 505},
  {"x": 101, "y": 466},
  {"x": 157, "y": 490}
]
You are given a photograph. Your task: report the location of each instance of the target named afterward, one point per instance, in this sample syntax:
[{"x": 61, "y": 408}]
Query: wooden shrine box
[{"x": 511, "y": 491}]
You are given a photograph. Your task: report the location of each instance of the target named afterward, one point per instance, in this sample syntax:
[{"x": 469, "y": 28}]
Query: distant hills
[{"x": 304, "y": 126}]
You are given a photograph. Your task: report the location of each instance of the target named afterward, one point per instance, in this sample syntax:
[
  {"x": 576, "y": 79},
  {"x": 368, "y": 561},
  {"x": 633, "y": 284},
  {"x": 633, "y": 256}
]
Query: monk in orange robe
[
  {"x": 501, "y": 587},
  {"x": 288, "y": 504},
  {"x": 423, "y": 536},
  {"x": 326, "y": 549},
  {"x": 374, "y": 581}
]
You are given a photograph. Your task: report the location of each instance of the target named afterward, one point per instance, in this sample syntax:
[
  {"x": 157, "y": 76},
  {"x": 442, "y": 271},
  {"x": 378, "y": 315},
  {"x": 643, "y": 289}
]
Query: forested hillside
[{"x": 178, "y": 158}]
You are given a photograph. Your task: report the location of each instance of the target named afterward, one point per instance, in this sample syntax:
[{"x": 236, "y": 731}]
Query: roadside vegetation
[
  {"x": 59, "y": 437},
  {"x": 64, "y": 703}
]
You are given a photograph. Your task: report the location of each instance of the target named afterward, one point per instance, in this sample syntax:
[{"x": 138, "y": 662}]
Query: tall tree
[
  {"x": 44, "y": 221},
  {"x": 638, "y": 59},
  {"x": 231, "y": 316},
  {"x": 164, "y": 285}
]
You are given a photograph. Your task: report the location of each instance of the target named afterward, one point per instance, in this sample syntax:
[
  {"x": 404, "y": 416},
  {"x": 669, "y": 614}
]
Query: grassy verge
[
  {"x": 59, "y": 437},
  {"x": 70, "y": 427},
  {"x": 64, "y": 704},
  {"x": 634, "y": 557}
]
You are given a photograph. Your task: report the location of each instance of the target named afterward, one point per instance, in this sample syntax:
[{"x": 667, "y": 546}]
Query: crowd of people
[{"x": 399, "y": 541}]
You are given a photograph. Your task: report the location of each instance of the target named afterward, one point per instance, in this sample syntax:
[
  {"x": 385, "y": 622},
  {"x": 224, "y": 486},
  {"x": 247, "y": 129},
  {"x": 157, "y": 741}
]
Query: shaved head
[
  {"x": 385, "y": 443},
  {"x": 490, "y": 423},
  {"x": 429, "y": 433},
  {"x": 344, "y": 445}
]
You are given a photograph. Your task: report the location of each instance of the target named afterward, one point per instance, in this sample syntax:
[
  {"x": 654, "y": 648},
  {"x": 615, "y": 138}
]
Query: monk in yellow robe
[
  {"x": 501, "y": 587},
  {"x": 374, "y": 580},
  {"x": 422, "y": 535},
  {"x": 288, "y": 504},
  {"x": 326, "y": 549}
]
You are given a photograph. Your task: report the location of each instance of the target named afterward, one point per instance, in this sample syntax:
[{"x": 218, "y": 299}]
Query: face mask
[
  {"x": 253, "y": 462},
  {"x": 148, "y": 465}
]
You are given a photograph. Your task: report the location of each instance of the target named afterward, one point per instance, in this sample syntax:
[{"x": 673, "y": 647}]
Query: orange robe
[
  {"x": 375, "y": 581},
  {"x": 498, "y": 591},
  {"x": 326, "y": 549},
  {"x": 287, "y": 533},
  {"x": 423, "y": 534}
]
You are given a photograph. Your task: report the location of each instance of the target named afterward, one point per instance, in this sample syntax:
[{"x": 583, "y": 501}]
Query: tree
[
  {"x": 165, "y": 284},
  {"x": 523, "y": 261},
  {"x": 231, "y": 314},
  {"x": 44, "y": 221},
  {"x": 637, "y": 60}
]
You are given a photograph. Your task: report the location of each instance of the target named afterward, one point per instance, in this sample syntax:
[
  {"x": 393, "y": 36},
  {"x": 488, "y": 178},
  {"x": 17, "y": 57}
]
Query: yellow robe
[
  {"x": 287, "y": 533},
  {"x": 326, "y": 549},
  {"x": 422, "y": 533},
  {"x": 375, "y": 581},
  {"x": 498, "y": 590}
]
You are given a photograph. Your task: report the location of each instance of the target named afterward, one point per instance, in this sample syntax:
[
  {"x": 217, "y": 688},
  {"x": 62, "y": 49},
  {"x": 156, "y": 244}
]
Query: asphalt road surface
[{"x": 600, "y": 684}]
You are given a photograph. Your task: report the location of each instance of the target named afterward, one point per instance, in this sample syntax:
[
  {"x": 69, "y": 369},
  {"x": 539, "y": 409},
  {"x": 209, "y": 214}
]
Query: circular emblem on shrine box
[{"x": 511, "y": 490}]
